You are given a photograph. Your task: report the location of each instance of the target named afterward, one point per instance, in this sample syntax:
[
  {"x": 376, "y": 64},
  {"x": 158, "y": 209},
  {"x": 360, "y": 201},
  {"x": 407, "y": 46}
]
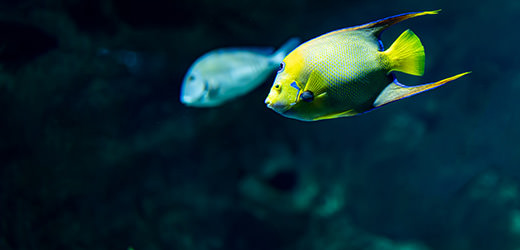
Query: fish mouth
[
  {"x": 278, "y": 108},
  {"x": 187, "y": 99}
]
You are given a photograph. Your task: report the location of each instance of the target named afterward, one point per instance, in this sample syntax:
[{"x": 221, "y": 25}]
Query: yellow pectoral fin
[
  {"x": 317, "y": 84},
  {"x": 347, "y": 113}
]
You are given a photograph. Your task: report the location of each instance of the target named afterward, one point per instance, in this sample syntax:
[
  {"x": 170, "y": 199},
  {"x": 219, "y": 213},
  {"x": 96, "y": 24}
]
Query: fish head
[
  {"x": 195, "y": 89},
  {"x": 283, "y": 95},
  {"x": 288, "y": 95}
]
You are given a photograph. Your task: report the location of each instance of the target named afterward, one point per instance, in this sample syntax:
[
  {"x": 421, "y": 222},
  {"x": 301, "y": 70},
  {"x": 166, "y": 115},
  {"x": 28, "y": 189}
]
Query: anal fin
[
  {"x": 349, "y": 112},
  {"x": 395, "y": 91}
]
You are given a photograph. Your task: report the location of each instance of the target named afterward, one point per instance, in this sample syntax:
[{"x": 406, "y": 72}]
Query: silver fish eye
[{"x": 282, "y": 66}]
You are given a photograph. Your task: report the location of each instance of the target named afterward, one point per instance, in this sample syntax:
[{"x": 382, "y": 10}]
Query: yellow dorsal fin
[
  {"x": 378, "y": 26},
  {"x": 382, "y": 24},
  {"x": 406, "y": 54},
  {"x": 395, "y": 91}
]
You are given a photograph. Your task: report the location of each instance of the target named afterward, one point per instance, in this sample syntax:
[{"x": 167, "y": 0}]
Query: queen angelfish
[{"x": 347, "y": 72}]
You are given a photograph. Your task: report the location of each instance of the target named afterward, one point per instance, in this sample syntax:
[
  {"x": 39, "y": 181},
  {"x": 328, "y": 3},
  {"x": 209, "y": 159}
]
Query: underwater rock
[
  {"x": 281, "y": 185},
  {"x": 404, "y": 130},
  {"x": 487, "y": 204},
  {"x": 338, "y": 233}
]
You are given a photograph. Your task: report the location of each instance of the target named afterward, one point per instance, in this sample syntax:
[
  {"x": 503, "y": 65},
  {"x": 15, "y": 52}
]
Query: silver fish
[{"x": 224, "y": 74}]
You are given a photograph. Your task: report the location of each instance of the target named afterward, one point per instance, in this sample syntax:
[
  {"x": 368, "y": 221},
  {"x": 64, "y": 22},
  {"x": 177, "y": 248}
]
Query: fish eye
[
  {"x": 282, "y": 66},
  {"x": 307, "y": 96},
  {"x": 191, "y": 78},
  {"x": 277, "y": 86}
]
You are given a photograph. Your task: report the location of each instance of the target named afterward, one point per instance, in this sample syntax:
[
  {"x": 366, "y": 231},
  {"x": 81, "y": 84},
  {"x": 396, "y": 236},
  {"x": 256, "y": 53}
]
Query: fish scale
[
  {"x": 345, "y": 73},
  {"x": 352, "y": 57}
]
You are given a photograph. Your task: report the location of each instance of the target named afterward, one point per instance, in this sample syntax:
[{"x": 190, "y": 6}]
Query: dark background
[{"x": 97, "y": 152}]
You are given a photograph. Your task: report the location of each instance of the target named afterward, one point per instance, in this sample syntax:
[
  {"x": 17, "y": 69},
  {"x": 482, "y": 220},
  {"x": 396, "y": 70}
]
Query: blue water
[{"x": 97, "y": 152}]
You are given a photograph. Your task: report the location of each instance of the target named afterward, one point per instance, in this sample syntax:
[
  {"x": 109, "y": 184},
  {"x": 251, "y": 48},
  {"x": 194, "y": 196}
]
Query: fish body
[
  {"x": 347, "y": 72},
  {"x": 224, "y": 74}
]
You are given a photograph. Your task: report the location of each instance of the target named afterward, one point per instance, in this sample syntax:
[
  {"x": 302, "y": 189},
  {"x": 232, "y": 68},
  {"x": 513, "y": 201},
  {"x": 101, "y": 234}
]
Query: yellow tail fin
[{"x": 406, "y": 54}]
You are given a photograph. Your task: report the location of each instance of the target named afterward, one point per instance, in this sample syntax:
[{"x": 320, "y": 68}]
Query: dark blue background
[{"x": 97, "y": 152}]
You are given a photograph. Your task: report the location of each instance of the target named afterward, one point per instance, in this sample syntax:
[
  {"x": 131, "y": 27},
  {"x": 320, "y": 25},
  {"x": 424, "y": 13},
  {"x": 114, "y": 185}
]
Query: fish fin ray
[
  {"x": 317, "y": 83},
  {"x": 396, "y": 91},
  {"x": 382, "y": 24},
  {"x": 406, "y": 54},
  {"x": 349, "y": 112}
]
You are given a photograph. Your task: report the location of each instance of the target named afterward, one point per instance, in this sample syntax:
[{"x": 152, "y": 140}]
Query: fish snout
[
  {"x": 186, "y": 99},
  {"x": 267, "y": 101},
  {"x": 273, "y": 102},
  {"x": 277, "y": 107}
]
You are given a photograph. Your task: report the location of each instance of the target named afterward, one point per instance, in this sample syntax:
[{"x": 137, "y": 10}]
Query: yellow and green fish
[{"x": 347, "y": 72}]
